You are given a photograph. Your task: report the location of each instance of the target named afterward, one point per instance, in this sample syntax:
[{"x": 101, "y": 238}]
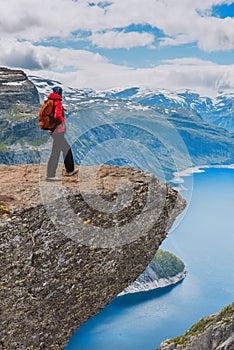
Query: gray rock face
[
  {"x": 19, "y": 107},
  {"x": 15, "y": 87},
  {"x": 215, "y": 332},
  {"x": 59, "y": 270}
]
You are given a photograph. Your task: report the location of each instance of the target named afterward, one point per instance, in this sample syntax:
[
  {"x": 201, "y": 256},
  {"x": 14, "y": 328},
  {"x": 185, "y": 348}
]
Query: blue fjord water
[{"x": 204, "y": 240}]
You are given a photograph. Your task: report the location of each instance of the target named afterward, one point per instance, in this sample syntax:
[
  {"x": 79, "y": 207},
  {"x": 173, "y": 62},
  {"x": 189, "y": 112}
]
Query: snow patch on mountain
[{"x": 218, "y": 111}]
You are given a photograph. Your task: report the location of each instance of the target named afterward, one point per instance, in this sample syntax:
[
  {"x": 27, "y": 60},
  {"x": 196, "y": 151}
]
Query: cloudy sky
[{"x": 172, "y": 44}]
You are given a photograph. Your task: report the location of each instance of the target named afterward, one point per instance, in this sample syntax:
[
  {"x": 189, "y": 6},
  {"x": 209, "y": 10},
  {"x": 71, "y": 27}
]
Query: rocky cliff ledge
[
  {"x": 15, "y": 87},
  {"x": 19, "y": 106},
  {"x": 215, "y": 332},
  {"x": 69, "y": 248}
]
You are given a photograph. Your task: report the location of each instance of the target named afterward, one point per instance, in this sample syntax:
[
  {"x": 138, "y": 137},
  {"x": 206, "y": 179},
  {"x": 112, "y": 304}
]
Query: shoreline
[{"x": 137, "y": 287}]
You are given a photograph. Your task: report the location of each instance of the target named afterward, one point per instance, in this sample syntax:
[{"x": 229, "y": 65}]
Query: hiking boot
[
  {"x": 52, "y": 178},
  {"x": 71, "y": 173}
]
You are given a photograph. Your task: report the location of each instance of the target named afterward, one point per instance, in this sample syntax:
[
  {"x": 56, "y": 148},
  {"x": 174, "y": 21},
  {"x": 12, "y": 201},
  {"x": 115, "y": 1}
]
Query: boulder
[{"x": 69, "y": 247}]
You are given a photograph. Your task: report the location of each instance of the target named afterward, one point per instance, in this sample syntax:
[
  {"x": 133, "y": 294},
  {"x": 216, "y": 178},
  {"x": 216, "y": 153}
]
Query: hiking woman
[{"x": 60, "y": 144}]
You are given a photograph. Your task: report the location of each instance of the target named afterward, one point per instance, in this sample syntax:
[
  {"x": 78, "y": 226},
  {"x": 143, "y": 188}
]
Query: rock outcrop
[
  {"x": 151, "y": 279},
  {"x": 15, "y": 87},
  {"x": 19, "y": 106},
  {"x": 215, "y": 332},
  {"x": 68, "y": 248}
]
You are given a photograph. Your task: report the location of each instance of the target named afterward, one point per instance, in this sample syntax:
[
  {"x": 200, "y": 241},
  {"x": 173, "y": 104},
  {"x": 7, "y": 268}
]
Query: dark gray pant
[{"x": 60, "y": 144}]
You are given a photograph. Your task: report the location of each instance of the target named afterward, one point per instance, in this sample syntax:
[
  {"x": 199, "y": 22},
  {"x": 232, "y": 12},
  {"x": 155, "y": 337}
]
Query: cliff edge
[
  {"x": 68, "y": 248},
  {"x": 15, "y": 87}
]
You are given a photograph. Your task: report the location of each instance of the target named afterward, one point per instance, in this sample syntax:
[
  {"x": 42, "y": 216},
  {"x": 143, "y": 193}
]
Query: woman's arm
[{"x": 58, "y": 112}]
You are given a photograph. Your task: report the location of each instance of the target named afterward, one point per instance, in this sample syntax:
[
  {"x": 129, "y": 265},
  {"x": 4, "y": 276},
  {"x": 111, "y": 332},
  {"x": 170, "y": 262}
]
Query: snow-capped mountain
[
  {"x": 121, "y": 128},
  {"x": 218, "y": 111},
  {"x": 159, "y": 131}
]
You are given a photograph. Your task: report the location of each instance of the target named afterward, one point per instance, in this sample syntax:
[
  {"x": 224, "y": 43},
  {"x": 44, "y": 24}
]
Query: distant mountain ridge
[
  {"x": 160, "y": 131},
  {"x": 19, "y": 104},
  {"x": 218, "y": 111}
]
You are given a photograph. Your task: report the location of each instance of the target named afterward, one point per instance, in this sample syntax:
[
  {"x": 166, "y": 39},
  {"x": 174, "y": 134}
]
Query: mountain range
[
  {"x": 160, "y": 131},
  {"x": 218, "y": 111}
]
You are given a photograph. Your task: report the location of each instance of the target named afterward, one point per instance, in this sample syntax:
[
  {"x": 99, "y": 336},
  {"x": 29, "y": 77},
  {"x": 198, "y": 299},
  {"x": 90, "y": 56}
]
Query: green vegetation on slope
[
  {"x": 223, "y": 316},
  {"x": 3, "y": 147},
  {"x": 168, "y": 265},
  {"x": 19, "y": 127},
  {"x": 20, "y": 111}
]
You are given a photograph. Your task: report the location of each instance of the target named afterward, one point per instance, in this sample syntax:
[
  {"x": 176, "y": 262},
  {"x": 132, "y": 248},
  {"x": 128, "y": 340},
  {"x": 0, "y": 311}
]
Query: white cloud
[
  {"x": 38, "y": 20},
  {"x": 193, "y": 61},
  {"x": 24, "y": 55},
  {"x": 184, "y": 25},
  {"x": 182, "y": 21},
  {"x": 90, "y": 70},
  {"x": 84, "y": 69},
  {"x": 114, "y": 39},
  {"x": 26, "y": 23},
  {"x": 220, "y": 38}
]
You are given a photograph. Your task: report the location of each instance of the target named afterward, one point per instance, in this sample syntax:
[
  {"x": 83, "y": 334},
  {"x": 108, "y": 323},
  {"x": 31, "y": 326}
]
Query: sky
[{"x": 157, "y": 44}]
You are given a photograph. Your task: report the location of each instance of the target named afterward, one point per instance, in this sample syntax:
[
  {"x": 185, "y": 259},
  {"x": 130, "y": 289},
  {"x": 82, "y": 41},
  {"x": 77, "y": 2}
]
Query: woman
[{"x": 60, "y": 144}]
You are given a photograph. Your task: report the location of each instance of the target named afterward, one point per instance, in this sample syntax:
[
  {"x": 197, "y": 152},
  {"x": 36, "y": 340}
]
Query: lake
[{"x": 204, "y": 240}]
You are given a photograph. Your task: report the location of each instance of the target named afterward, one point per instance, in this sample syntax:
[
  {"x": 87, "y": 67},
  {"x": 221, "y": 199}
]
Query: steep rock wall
[
  {"x": 215, "y": 332},
  {"x": 69, "y": 248},
  {"x": 19, "y": 106},
  {"x": 15, "y": 87}
]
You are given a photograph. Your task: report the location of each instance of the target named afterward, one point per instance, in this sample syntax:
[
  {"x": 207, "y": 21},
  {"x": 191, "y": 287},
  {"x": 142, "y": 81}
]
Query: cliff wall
[
  {"x": 215, "y": 332},
  {"x": 15, "y": 87},
  {"x": 68, "y": 248},
  {"x": 19, "y": 106}
]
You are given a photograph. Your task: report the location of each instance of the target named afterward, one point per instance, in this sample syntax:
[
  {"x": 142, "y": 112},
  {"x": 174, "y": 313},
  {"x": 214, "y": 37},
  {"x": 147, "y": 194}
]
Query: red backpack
[{"x": 46, "y": 119}]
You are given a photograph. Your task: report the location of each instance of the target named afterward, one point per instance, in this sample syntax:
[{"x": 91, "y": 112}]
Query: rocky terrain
[
  {"x": 16, "y": 88},
  {"x": 19, "y": 105},
  {"x": 215, "y": 332},
  {"x": 68, "y": 248}
]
